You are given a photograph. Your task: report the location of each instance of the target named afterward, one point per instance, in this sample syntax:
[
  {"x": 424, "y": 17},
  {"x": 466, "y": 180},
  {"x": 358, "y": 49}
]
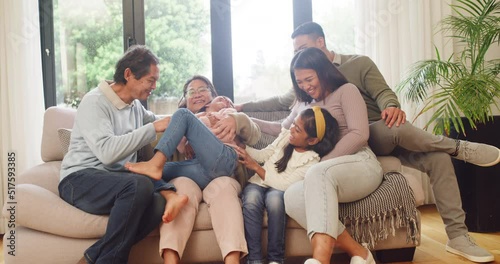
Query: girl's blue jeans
[{"x": 255, "y": 199}]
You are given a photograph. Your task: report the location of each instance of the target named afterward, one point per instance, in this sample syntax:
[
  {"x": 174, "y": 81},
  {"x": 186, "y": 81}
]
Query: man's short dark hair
[
  {"x": 138, "y": 59},
  {"x": 309, "y": 28}
]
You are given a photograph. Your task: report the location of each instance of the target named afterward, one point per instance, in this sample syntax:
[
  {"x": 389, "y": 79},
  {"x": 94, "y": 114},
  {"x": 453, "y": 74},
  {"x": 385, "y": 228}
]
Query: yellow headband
[{"x": 320, "y": 122}]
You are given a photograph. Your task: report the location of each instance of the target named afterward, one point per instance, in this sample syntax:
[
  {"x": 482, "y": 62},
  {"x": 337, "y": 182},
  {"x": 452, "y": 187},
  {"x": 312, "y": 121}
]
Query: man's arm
[
  {"x": 97, "y": 130},
  {"x": 269, "y": 127},
  {"x": 246, "y": 129},
  {"x": 372, "y": 84},
  {"x": 385, "y": 97},
  {"x": 276, "y": 103}
]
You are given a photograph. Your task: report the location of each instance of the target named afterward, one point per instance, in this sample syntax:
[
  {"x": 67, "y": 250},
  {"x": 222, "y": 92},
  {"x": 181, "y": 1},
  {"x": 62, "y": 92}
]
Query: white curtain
[
  {"x": 397, "y": 33},
  {"x": 21, "y": 89}
]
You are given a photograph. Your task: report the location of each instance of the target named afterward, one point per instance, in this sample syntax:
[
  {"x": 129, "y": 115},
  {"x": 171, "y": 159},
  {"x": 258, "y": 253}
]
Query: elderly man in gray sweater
[{"x": 111, "y": 125}]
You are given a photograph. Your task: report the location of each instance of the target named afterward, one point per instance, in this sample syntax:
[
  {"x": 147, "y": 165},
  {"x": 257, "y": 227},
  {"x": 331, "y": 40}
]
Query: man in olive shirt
[{"x": 390, "y": 134}]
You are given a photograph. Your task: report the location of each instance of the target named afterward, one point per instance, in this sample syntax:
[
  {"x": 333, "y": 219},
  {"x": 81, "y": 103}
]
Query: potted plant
[{"x": 467, "y": 84}]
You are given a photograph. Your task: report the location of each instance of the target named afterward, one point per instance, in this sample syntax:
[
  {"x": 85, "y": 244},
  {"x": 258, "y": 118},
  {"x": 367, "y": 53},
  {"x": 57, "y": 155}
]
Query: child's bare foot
[
  {"x": 147, "y": 168},
  {"x": 174, "y": 205}
]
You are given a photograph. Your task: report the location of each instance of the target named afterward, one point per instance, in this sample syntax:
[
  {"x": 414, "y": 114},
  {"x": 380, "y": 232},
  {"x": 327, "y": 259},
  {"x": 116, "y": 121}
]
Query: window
[
  {"x": 179, "y": 34},
  {"x": 87, "y": 43},
  {"x": 337, "y": 20},
  {"x": 262, "y": 48},
  {"x": 250, "y": 61}
]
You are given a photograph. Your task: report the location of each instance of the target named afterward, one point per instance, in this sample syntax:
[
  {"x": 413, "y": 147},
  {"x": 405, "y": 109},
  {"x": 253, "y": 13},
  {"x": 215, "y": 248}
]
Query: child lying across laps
[
  {"x": 213, "y": 157},
  {"x": 219, "y": 108},
  {"x": 312, "y": 135}
]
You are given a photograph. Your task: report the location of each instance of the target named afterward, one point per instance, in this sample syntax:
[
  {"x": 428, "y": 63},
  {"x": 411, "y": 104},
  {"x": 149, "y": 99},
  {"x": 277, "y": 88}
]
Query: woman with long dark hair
[{"x": 348, "y": 173}]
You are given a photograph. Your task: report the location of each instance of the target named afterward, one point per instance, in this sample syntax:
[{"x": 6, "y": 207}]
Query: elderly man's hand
[
  {"x": 225, "y": 127},
  {"x": 393, "y": 115},
  {"x": 161, "y": 124}
]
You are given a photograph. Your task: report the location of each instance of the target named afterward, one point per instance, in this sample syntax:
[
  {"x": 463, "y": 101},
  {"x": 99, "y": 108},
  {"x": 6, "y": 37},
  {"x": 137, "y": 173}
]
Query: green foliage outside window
[{"x": 91, "y": 41}]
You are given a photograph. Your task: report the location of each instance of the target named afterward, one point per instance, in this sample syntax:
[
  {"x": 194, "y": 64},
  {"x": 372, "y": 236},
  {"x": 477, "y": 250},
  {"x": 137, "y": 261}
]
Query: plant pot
[{"x": 479, "y": 186}]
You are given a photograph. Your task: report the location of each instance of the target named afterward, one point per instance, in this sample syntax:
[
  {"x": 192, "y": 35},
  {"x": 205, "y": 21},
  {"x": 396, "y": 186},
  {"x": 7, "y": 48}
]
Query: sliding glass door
[
  {"x": 244, "y": 47},
  {"x": 88, "y": 37},
  {"x": 179, "y": 33},
  {"x": 262, "y": 48}
]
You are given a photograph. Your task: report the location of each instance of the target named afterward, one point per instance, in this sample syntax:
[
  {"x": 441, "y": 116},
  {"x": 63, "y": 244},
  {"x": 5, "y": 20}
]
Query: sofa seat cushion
[
  {"x": 203, "y": 221},
  {"x": 369, "y": 220},
  {"x": 42, "y": 210}
]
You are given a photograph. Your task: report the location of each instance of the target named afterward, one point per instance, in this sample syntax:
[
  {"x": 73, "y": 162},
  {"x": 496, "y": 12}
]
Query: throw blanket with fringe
[{"x": 388, "y": 208}]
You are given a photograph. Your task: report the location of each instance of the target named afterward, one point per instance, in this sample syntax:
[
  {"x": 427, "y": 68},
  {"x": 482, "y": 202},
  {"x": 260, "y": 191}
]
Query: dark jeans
[
  {"x": 255, "y": 200},
  {"x": 134, "y": 209}
]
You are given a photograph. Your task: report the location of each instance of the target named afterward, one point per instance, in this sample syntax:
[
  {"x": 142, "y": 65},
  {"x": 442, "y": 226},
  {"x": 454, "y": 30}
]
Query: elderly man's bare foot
[
  {"x": 147, "y": 168},
  {"x": 174, "y": 205}
]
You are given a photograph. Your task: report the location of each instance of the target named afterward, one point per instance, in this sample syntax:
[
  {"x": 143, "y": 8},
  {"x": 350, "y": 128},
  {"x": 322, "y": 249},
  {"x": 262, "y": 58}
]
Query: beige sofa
[{"x": 48, "y": 230}]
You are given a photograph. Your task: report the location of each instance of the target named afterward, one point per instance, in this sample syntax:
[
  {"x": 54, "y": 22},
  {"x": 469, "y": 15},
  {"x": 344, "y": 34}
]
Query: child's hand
[{"x": 245, "y": 159}]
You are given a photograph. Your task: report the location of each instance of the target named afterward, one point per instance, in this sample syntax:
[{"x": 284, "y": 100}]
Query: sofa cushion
[
  {"x": 45, "y": 175},
  {"x": 64, "y": 139},
  {"x": 55, "y": 118},
  {"x": 42, "y": 210}
]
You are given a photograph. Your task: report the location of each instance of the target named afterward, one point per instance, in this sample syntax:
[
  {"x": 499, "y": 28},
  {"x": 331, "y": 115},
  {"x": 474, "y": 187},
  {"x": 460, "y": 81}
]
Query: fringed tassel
[
  {"x": 392, "y": 229},
  {"x": 383, "y": 227},
  {"x": 392, "y": 205}
]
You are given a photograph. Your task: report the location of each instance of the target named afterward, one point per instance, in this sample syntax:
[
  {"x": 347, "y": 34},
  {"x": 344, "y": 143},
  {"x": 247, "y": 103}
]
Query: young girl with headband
[{"x": 312, "y": 135}]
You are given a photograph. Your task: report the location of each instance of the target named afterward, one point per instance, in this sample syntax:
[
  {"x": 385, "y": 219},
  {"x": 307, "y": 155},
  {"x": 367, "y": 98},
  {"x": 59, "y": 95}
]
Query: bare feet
[
  {"x": 174, "y": 205},
  {"x": 147, "y": 168}
]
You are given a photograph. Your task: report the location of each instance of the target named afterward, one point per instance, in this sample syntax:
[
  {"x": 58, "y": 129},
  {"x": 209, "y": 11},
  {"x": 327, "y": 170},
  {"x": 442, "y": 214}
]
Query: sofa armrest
[
  {"x": 45, "y": 175},
  {"x": 53, "y": 119},
  {"x": 389, "y": 163},
  {"x": 42, "y": 210}
]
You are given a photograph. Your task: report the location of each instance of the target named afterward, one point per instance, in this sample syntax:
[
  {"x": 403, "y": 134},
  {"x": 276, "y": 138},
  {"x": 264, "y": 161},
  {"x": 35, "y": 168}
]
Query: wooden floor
[{"x": 432, "y": 247}]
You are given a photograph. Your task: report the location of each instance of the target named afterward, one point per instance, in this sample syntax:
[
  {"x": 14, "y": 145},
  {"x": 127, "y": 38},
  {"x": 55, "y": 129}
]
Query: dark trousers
[{"x": 129, "y": 199}]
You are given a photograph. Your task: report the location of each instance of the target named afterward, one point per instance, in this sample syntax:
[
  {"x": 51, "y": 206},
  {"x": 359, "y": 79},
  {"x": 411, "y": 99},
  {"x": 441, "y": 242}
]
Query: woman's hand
[{"x": 225, "y": 128}]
